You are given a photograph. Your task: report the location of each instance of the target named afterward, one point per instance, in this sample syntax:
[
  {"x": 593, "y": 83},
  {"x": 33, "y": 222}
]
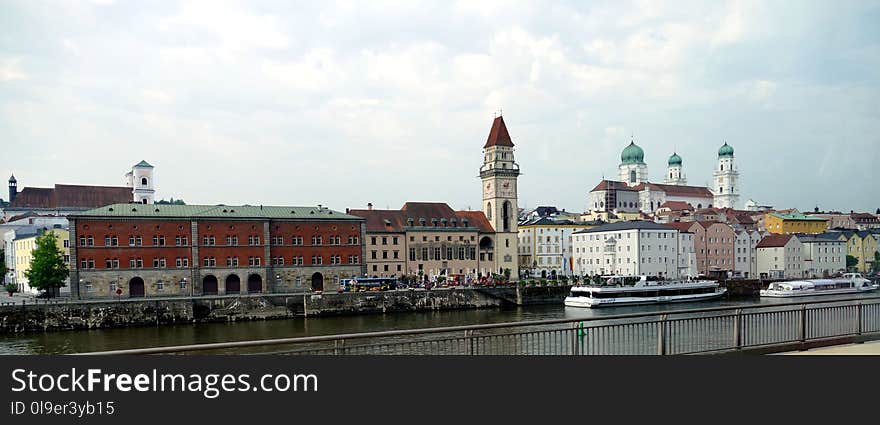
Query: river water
[{"x": 61, "y": 342}]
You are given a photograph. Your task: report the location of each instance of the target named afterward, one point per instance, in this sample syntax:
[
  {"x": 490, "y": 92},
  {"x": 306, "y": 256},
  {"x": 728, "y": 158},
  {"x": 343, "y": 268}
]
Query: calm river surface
[{"x": 114, "y": 339}]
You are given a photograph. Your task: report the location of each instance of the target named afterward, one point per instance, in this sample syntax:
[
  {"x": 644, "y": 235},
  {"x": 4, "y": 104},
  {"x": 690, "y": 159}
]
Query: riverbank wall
[{"x": 69, "y": 315}]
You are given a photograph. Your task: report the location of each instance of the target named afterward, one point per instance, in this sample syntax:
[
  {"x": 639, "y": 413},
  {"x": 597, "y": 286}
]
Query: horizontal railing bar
[{"x": 446, "y": 329}]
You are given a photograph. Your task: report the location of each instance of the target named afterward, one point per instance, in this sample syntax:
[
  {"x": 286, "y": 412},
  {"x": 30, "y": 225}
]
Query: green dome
[
  {"x": 674, "y": 159},
  {"x": 725, "y": 151},
  {"x": 632, "y": 154}
]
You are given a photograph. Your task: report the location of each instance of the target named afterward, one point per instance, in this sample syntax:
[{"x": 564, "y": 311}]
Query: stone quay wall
[{"x": 99, "y": 314}]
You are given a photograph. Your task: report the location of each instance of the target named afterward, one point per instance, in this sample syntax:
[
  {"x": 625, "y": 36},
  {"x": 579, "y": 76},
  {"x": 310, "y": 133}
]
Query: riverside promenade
[{"x": 866, "y": 349}]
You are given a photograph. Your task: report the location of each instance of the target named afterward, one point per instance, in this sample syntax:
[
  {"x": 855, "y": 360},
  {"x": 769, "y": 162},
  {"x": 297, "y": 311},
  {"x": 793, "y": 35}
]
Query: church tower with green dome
[
  {"x": 726, "y": 191},
  {"x": 633, "y": 170},
  {"x": 674, "y": 174}
]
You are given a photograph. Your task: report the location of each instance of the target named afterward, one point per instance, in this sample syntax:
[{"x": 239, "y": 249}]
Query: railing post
[
  {"x": 661, "y": 336},
  {"x": 859, "y": 318},
  {"x": 737, "y": 329},
  {"x": 469, "y": 335},
  {"x": 803, "y": 327},
  {"x": 338, "y": 345},
  {"x": 574, "y": 339}
]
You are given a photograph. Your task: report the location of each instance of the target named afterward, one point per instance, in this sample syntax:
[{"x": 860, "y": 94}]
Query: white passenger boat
[
  {"x": 849, "y": 283},
  {"x": 635, "y": 290}
]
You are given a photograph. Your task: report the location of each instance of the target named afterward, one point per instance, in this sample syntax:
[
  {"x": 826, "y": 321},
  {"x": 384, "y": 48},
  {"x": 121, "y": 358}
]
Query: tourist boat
[
  {"x": 849, "y": 283},
  {"x": 637, "y": 290}
]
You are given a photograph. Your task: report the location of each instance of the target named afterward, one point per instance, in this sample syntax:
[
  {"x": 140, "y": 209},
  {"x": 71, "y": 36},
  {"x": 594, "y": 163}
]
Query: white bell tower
[
  {"x": 140, "y": 180},
  {"x": 726, "y": 176}
]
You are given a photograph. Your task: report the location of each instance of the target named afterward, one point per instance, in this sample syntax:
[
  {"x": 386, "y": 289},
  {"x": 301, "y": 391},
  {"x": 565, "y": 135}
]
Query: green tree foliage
[
  {"x": 172, "y": 201},
  {"x": 2, "y": 263},
  {"x": 851, "y": 262},
  {"x": 48, "y": 269}
]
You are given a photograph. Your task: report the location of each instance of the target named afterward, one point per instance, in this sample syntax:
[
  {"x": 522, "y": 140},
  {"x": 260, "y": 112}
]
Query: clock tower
[{"x": 499, "y": 176}]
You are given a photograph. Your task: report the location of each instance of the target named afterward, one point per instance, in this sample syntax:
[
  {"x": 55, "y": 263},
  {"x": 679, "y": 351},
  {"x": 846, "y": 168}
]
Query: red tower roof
[{"x": 498, "y": 136}]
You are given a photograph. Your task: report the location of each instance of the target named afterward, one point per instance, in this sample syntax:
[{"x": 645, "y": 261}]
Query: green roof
[
  {"x": 798, "y": 217},
  {"x": 214, "y": 211},
  {"x": 674, "y": 159},
  {"x": 725, "y": 151},
  {"x": 143, "y": 164},
  {"x": 632, "y": 154}
]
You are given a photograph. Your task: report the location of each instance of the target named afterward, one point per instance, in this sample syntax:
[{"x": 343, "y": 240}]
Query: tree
[
  {"x": 48, "y": 269},
  {"x": 851, "y": 262},
  {"x": 172, "y": 201},
  {"x": 876, "y": 261},
  {"x": 2, "y": 262}
]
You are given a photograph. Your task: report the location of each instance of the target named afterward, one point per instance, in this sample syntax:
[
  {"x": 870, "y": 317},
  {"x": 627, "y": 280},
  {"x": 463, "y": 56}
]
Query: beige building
[
  {"x": 781, "y": 256},
  {"x": 427, "y": 240},
  {"x": 24, "y": 248}
]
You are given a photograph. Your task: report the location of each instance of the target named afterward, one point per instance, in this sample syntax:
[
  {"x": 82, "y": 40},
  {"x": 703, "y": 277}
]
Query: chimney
[
  {"x": 369, "y": 206},
  {"x": 319, "y": 206}
]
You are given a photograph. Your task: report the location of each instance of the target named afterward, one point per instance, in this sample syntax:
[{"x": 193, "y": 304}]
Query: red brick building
[{"x": 134, "y": 250}]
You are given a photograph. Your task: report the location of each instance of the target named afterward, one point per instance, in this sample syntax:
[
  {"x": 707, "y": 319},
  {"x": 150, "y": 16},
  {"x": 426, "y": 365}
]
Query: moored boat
[
  {"x": 638, "y": 290},
  {"x": 849, "y": 283}
]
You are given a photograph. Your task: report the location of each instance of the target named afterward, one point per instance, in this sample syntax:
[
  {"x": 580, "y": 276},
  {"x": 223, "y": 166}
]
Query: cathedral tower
[
  {"x": 632, "y": 169},
  {"x": 674, "y": 174},
  {"x": 499, "y": 174},
  {"x": 726, "y": 192}
]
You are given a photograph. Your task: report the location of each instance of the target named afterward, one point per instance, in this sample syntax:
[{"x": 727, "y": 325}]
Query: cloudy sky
[{"x": 344, "y": 103}]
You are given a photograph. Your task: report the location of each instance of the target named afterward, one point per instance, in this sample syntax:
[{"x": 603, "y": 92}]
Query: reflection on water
[{"x": 113, "y": 339}]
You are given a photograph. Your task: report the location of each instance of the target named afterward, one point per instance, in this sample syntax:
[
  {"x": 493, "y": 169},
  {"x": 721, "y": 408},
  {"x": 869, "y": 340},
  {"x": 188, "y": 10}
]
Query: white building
[
  {"x": 726, "y": 179},
  {"x": 687, "y": 256},
  {"x": 613, "y": 196},
  {"x": 627, "y": 248},
  {"x": 545, "y": 246},
  {"x": 780, "y": 256},
  {"x": 745, "y": 253},
  {"x": 824, "y": 254}
]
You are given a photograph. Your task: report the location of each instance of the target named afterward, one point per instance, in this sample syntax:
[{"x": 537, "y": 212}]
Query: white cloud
[{"x": 11, "y": 70}]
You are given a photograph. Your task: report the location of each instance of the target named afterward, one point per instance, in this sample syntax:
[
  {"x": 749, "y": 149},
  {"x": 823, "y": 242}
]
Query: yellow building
[
  {"x": 861, "y": 245},
  {"x": 24, "y": 248},
  {"x": 782, "y": 224}
]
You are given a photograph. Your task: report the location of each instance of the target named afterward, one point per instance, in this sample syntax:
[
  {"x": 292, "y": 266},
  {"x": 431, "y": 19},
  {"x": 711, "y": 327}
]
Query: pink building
[{"x": 713, "y": 244}]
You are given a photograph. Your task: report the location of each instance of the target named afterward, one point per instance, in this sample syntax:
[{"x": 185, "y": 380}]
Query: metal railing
[{"x": 763, "y": 328}]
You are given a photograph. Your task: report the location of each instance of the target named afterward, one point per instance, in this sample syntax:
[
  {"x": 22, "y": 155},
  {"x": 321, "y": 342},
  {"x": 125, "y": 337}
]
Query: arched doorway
[
  {"x": 317, "y": 282},
  {"x": 255, "y": 283},
  {"x": 233, "y": 284},
  {"x": 543, "y": 274},
  {"x": 136, "y": 288},
  {"x": 209, "y": 285}
]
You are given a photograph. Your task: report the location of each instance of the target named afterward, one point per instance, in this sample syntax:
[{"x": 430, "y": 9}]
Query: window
[
  {"x": 317, "y": 260},
  {"x": 424, "y": 253},
  {"x": 297, "y": 240},
  {"x": 373, "y": 255},
  {"x": 178, "y": 262},
  {"x": 372, "y": 240},
  {"x": 297, "y": 261},
  {"x": 394, "y": 240},
  {"x": 67, "y": 243},
  {"x": 336, "y": 259},
  {"x": 352, "y": 240},
  {"x": 412, "y": 254},
  {"x": 208, "y": 240},
  {"x": 384, "y": 240},
  {"x": 253, "y": 240},
  {"x": 316, "y": 240},
  {"x": 396, "y": 255},
  {"x": 353, "y": 259},
  {"x": 384, "y": 255}
]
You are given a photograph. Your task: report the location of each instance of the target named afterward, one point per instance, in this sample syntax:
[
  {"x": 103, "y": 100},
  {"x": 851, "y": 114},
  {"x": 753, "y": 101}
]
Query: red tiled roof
[
  {"x": 433, "y": 213},
  {"x": 677, "y": 205},
  {"x": 681, "y": 227},
  {"x": 498, "y": 135},
  {"x": 612, "y": 185},
  {"x": 774, "y": 241},
  {"x": 71, "y": 196},
  {"x": 676, "y": 190}
]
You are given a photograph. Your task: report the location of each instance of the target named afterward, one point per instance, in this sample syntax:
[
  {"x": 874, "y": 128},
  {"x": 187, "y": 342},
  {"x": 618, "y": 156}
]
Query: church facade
[{"x": 635, "y": 192}]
